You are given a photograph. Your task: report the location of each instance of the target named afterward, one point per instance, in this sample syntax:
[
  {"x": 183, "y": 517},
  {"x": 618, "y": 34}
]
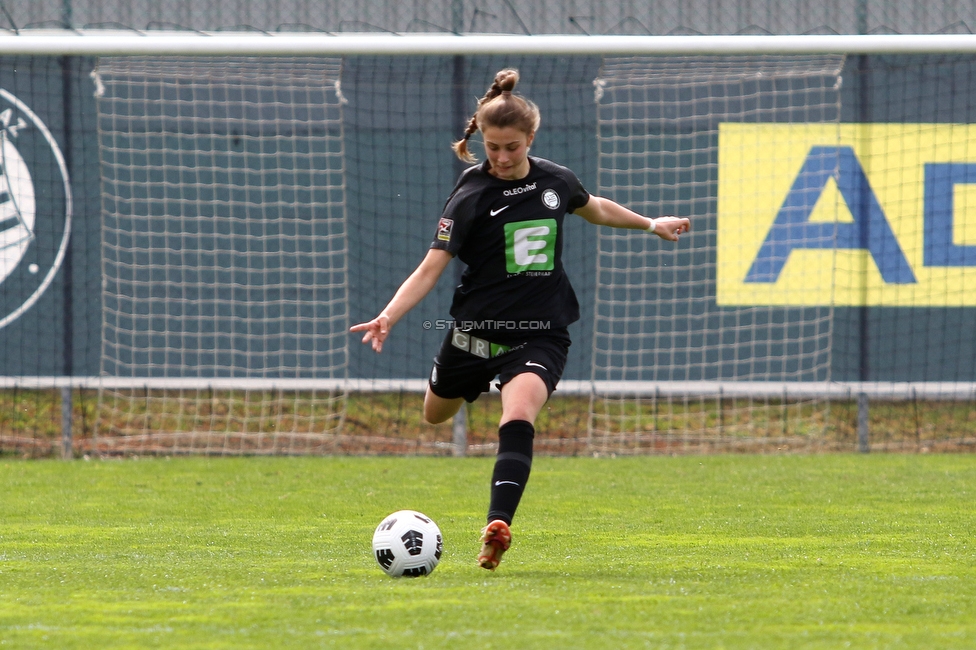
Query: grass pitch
[{"x": 701, "y": 551}]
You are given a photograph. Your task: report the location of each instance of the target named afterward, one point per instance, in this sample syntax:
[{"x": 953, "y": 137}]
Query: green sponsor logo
[{"x": 530, "y": 245}]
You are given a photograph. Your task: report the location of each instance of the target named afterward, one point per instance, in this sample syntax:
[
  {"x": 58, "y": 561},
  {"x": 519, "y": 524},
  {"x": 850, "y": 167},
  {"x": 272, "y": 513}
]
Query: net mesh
[
  {"x": 668, "y": 137},
  {"x": 224, "y": 249}
]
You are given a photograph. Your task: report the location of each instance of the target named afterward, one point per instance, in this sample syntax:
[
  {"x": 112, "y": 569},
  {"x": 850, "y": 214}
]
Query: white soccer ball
[{"x": 407, "y": 543}]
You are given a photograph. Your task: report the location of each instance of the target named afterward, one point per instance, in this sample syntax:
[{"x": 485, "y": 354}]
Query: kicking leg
[{"x": 522, "y": 399}]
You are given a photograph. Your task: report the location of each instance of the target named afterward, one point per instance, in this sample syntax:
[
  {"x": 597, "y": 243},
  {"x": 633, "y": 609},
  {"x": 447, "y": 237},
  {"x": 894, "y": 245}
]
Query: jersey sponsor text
[{"x": 521, "y": 190}]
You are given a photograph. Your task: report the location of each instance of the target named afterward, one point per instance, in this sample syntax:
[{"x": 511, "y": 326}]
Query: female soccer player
[{"x": 504, "y": 219}]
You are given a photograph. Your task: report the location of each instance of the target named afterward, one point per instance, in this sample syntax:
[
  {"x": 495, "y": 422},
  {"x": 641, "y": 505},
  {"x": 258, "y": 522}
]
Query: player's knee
[
  {"x": 524, "y": 414},
  {"x": 437, "y": 410},
  {"x": 520, "y": 410},
  {"x": 431, "y": 416},
  {"x": 438, "y": 417}
]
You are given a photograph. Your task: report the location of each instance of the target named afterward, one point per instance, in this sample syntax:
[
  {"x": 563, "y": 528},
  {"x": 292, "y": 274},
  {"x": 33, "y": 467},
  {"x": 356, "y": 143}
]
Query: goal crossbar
[{"x": 168, "y": 43}]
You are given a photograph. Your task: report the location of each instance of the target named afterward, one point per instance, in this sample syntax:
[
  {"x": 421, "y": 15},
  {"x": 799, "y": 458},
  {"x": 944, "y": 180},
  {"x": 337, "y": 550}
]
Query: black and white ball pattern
[{"x": 407, "y": 543}]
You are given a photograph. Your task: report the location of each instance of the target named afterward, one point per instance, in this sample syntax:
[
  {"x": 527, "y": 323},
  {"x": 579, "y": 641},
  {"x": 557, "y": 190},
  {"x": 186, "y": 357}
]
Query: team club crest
[
  {"x": 551, "y": 199},
  {"x": 35, "y": 208}
]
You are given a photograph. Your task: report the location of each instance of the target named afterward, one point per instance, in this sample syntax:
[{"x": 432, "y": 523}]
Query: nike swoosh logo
[
  {"x": 506, "y": 483},
  {"x": 499, "y": 210},
  {"x": 537, "y": 365}
]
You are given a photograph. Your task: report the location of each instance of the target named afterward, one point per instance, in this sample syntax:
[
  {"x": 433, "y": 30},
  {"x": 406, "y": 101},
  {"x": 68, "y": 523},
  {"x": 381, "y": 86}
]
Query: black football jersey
[{"x": 510, "y": 236}]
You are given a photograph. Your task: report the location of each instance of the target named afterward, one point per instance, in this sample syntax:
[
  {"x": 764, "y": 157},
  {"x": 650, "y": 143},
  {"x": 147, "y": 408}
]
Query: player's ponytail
[
  {"x": 500, "y": 108},
  {"x": 461, "y": 146}
]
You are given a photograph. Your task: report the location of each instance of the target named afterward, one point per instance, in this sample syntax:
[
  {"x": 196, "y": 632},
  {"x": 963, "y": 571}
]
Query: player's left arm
[{"x": 605, "y": 212}]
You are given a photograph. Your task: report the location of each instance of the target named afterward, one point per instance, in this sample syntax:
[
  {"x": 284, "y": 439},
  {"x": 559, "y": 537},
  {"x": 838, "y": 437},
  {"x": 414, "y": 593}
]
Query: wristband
[{"x": 653, "y": 227}]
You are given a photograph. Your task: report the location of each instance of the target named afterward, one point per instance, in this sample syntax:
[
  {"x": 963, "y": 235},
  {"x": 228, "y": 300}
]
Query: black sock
[{"x": 512, "y": 465}]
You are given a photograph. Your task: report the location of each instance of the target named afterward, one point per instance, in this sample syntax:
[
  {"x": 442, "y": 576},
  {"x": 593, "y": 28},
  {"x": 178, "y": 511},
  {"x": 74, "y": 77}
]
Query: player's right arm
[{"x": 410, "y": 293}]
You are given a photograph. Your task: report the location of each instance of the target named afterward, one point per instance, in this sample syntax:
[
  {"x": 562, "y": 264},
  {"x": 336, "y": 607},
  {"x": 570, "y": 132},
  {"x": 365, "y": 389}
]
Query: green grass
[{"x": 830, "y": 551}]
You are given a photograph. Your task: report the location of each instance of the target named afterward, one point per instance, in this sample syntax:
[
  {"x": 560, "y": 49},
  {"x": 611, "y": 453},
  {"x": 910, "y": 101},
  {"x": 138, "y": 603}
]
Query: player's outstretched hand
[
  {"x": 670, "y": 227},
  {"x": 376, "y": 331}
]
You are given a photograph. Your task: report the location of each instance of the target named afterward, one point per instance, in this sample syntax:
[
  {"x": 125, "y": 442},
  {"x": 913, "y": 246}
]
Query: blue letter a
[{"x": 792, "y": 229}]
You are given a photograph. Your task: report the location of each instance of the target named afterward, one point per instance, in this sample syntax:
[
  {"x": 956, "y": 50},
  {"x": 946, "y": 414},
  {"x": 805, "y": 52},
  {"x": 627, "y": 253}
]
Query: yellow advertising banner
[{"x": 847, "y": 214}]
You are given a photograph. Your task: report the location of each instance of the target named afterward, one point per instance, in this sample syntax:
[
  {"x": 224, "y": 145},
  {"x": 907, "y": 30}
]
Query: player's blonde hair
[{"x": 499, "y": 108}]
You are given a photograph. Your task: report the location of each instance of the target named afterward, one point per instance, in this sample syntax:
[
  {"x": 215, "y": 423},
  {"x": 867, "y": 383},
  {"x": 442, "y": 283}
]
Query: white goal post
[{"x": 226, "y": 43}]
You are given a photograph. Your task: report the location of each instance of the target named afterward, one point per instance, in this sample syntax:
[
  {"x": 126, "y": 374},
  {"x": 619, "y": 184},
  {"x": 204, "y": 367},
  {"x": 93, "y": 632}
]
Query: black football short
[{"x": 469, "y": 360}]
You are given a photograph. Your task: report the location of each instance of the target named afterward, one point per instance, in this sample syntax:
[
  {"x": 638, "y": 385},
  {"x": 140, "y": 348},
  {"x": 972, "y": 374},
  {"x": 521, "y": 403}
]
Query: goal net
[
  {"x": 224, "y": 254},
  {"x": 225, "y": 243},
  {"x": 668, "y": 357}
]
